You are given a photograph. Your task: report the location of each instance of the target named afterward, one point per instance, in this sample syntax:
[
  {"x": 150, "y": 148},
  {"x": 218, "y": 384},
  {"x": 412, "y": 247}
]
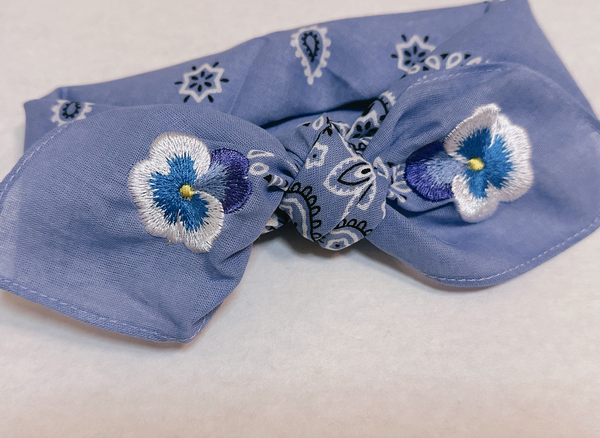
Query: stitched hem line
[
  {"x": 94, "y": 318},
  {"x": 85, "y": 316},
  {"x": 590, "y": 228},
  {"x": 97, "y": 320},
  {"x": 575, "y": 107},
  {"x": 7, "y": 182}
]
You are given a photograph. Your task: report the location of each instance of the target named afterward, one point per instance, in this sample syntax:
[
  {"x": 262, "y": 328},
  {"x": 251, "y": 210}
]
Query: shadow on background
[
  {"x": 288, "y": 234},
  {"x": 22, "y": 305}
]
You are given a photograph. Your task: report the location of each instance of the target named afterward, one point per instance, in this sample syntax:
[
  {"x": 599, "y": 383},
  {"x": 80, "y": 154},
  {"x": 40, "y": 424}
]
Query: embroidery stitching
[
  {"x": 183, "y": 191},
  {"x": 483, "y": 161},
  {"x": 429, "y": 172}
]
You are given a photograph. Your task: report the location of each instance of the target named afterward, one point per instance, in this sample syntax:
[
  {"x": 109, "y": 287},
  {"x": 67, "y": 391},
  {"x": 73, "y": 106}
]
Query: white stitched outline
[
  {"x": 164, "y": 148},
  {"x": 564, "y": 242},
  {"x": 166, "y": 338}
]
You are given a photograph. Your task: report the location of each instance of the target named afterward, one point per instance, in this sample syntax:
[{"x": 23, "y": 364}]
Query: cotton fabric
[{"x": 72, "y": 238}]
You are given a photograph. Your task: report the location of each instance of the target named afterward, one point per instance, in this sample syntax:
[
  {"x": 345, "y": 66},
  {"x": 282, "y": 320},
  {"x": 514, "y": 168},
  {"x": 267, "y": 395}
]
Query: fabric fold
[{"x": 454, "y": 140}]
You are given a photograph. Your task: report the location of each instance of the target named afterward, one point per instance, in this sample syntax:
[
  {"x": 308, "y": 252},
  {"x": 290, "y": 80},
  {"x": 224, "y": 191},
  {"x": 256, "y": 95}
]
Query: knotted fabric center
[{"x": 338, "y": 197}]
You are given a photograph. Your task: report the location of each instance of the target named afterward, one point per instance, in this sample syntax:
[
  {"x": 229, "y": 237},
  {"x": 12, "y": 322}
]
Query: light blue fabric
[{"x": 325, "y": 149}]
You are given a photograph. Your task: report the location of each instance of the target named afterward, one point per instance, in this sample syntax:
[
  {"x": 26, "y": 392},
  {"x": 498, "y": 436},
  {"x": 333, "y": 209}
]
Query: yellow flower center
[
  {"x": 476, "y": 164},
  {"x": 186, "y": 191}
]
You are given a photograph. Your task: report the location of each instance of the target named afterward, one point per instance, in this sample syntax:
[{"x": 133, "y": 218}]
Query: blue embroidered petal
[
  {"x": 214, "y": 181},
  {"x": 498, "y": 163},
  {"x": 165, "y": 188},
  {"x": 477, "y": 183},
  {"x": 475, "y": 144},
  {"x": 193, "y": 212},
  {"x": 229, "y": 173},
  {"x": 496, "y": 171},
  {"x": 429, "y": 172}
]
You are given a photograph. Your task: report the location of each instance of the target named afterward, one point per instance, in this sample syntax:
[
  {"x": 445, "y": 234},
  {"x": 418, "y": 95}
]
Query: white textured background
[{"x": 312, "y": 343}]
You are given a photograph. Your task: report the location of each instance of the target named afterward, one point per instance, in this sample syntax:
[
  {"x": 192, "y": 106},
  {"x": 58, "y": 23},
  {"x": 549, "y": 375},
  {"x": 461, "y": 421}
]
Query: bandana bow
[{"x": 136, "y": 203}]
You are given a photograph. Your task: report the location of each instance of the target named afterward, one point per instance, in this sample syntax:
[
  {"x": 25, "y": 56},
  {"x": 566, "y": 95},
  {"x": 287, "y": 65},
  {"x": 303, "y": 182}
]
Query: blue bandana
[{"x": 137, "y": 201}]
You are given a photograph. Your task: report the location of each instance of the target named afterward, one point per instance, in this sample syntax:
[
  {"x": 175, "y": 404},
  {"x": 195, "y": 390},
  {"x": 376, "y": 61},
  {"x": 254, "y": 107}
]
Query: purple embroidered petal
[
  {"x": 237, "y": 187},
  {"x": 429, "y": 172}
]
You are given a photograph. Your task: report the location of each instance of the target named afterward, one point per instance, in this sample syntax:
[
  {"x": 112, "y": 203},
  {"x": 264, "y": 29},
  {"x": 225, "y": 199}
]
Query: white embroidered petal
[
  {"x": 173, "y": 144},
  {"x": 471, "y": 208},
  {"x": 483, "y": 117},
  {"x": 516, "y": 151},
  {"x": 200, "y": 234},
  {"x": 200, "y": 240},
  {"x": 519, "y": 147}
]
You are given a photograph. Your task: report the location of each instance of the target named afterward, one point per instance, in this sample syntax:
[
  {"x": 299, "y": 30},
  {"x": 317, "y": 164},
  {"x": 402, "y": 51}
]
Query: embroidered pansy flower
[
  {"x": 183, "y": 191},
  {"x": 483, "y": 161}
]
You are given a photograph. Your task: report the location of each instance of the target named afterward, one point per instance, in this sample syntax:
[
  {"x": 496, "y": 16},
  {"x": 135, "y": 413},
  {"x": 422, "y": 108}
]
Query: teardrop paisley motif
[{"x": 312, "y": 45}]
